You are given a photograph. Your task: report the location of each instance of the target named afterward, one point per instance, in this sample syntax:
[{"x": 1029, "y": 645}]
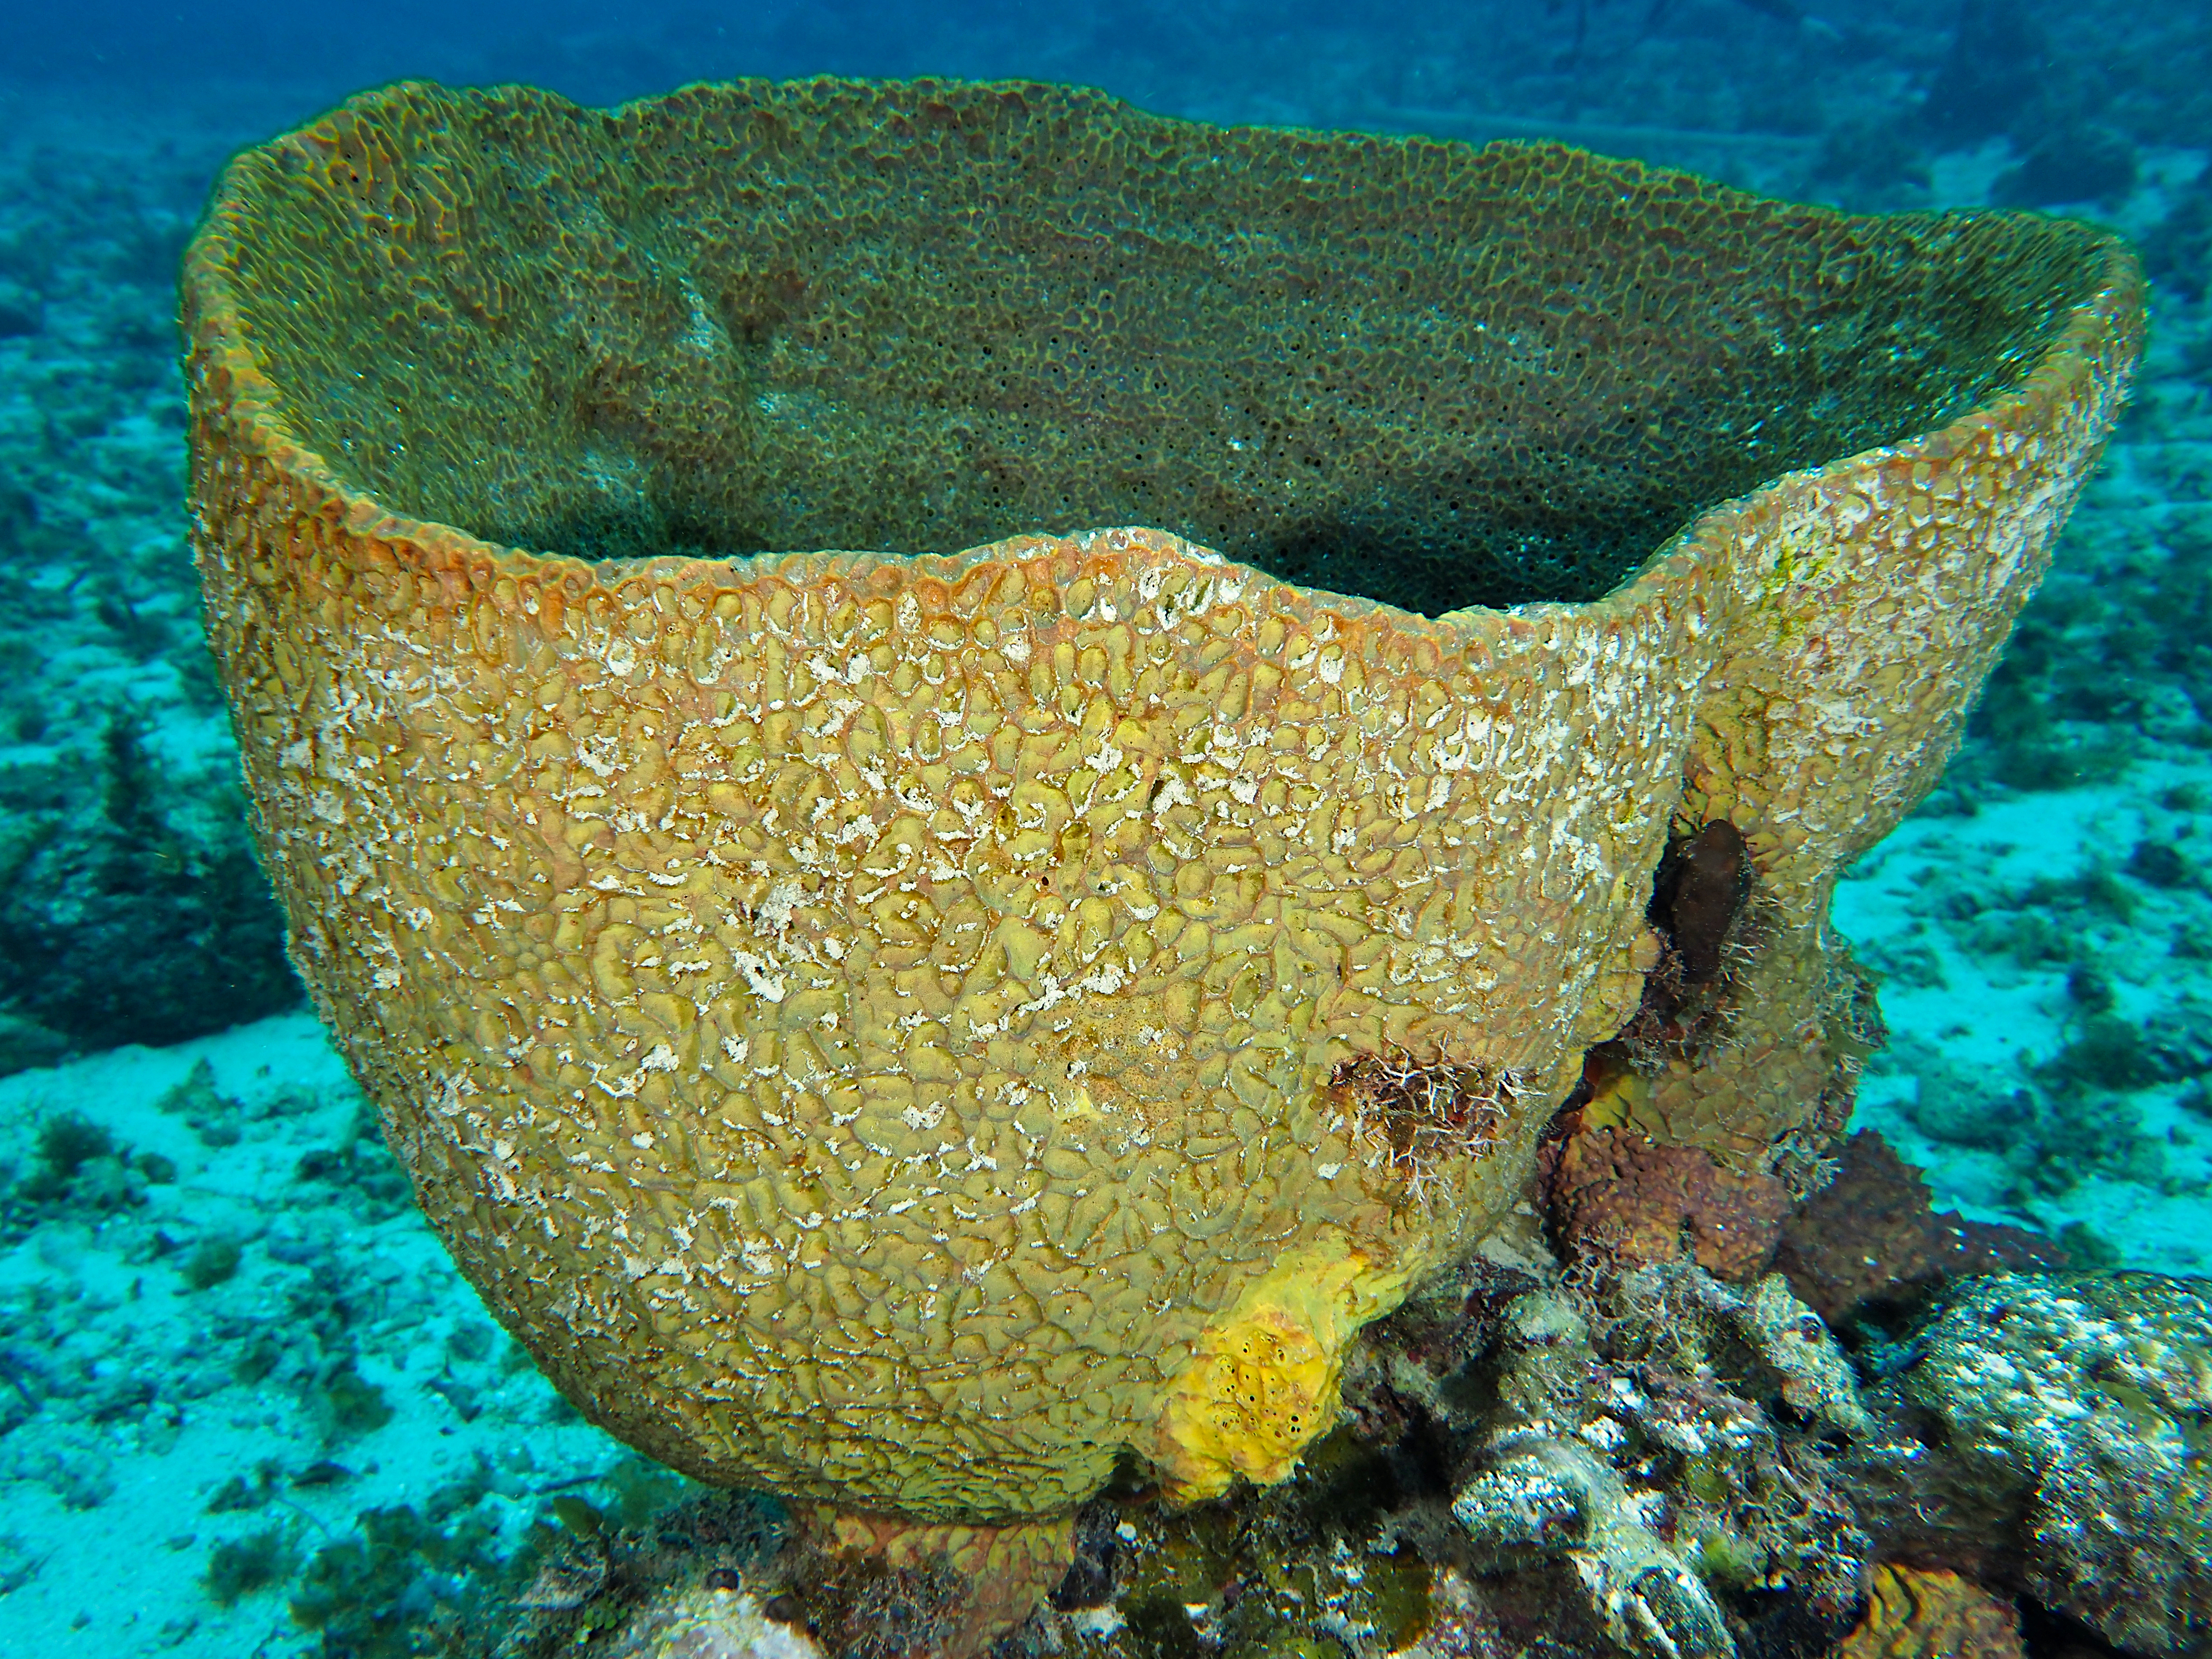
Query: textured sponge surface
[
  {"x": 869, "y": 1024},
  {"x": 909, "y": 1027},
  {"x": 770, "y": 318}
]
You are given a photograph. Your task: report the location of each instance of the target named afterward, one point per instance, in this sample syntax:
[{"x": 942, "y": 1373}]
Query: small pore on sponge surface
[{"x": 760, "y": 317}]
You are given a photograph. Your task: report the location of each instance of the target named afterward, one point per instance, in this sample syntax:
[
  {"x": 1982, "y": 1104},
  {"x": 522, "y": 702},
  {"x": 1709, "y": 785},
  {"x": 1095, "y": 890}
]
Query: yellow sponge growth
[{"x": 1263, "y": 1382}]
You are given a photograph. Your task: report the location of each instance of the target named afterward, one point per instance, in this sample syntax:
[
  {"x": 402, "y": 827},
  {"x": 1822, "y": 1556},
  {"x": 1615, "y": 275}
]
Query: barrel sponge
[{"x": 910, "y": 1027}]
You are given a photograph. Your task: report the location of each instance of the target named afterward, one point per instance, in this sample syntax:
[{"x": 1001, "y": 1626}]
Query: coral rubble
[{"x": 2046, "y": 1430}]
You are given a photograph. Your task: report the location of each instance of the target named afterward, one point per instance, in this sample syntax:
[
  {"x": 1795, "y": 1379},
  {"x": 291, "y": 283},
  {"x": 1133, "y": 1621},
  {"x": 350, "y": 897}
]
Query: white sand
[{"x": 115, "y": 1513}]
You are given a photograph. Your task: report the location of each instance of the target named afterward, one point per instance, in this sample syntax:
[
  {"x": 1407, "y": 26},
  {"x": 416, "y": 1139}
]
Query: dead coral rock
[
  {"x": 2045, "y": 1431},
  {"x": 1461, "y": 1623},
  {"x": 877, "y": 1588},
  {"x": 665, "y": 1588},
  {"x": 1334, "y": 1562},
  {"x": 1631, "y": 1202},
  {"x": 714, "y": 1623},
  {"x": 1676, "y": 1513},
  {"x": 1774, "y": 1343},
  {"x": 1542, "y": 1493},
  {"x": 1872, "y": 1235},
  {"x": 1912, "y": 1614},
  {"x": 1410, "y": 1374}
]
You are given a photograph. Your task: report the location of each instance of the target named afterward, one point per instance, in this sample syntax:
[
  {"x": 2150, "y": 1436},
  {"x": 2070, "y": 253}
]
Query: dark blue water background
[{"x": 1543, "y": 58}]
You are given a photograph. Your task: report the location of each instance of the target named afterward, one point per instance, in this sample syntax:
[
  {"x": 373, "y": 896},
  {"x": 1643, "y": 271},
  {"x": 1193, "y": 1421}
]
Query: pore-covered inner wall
[{"x": 910, "y": 318}]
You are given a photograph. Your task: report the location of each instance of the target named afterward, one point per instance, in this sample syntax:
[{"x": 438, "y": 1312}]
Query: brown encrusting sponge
[{"x": 903, "y": 1027}]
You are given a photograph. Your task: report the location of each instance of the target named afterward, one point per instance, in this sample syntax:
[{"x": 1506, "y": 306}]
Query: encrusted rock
[
  {"x": 715, "y": 1623},
  {"x": 1558, "y": 1496},
  {"x": 2070, "y": 1456},
  {"x": 1661, "y": 1491},
  {"x": 1768, "y": 1337},
  {"x": 1627, "y": 1201},
  {"x": 1873, "y": 1236}
]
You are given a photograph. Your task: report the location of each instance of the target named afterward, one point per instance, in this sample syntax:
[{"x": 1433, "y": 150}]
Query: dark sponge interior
[{"x": 919, "y": 317}]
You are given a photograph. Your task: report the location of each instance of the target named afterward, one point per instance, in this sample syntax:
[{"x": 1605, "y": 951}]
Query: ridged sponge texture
[
  {"x": 908, "y": 1027},
  {"x": 915, "y": 318}
]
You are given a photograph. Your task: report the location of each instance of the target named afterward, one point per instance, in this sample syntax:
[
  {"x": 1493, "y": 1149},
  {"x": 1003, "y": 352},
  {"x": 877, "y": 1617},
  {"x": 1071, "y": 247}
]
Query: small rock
[
  {"x": 1931, "y": 1616},
  {"x": 2067, "y": 1456},
  {"x": 716, "y": 1625},
  {"x": 21, "y": 312}
]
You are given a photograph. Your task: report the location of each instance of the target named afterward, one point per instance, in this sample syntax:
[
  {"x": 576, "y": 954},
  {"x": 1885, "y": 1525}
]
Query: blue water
[{"x": 214, "y": 1292}]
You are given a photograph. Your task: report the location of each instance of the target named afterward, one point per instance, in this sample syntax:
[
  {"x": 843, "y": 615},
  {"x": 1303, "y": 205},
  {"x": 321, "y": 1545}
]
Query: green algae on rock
[{"x": 910, "y": 1027}]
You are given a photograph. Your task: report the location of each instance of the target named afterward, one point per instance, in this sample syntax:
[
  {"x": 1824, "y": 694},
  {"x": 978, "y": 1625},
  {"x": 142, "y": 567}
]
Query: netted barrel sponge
[
  {"x": 746, "y": 320},
  {"x": 906, "y": 1027}
]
